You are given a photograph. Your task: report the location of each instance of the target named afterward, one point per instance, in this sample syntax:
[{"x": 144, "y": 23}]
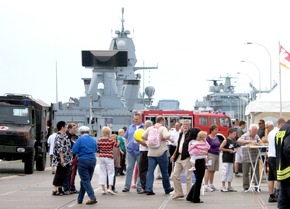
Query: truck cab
[{"x": 23, "y": 130}]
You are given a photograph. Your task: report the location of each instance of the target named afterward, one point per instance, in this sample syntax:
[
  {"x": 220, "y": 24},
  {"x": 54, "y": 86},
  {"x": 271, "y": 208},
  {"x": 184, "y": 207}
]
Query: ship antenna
[{"x": 122, "y": 20}]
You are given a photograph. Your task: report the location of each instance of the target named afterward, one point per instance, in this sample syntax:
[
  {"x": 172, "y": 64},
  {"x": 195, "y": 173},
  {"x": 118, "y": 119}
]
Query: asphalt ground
[{"x": 18, "y": 190}]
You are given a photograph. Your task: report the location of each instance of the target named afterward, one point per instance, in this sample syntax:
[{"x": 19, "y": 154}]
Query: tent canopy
[
  {"x": 267, "y": 110},
  {"x": 267, "y": 106}
]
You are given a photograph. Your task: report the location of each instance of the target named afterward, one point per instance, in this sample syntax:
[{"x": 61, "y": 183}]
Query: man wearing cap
[{"x": 85, "y": 148}]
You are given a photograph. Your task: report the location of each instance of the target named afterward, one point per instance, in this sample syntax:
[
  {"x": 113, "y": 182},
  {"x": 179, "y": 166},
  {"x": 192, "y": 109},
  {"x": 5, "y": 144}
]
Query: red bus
[{"x": 202, "y": 120}]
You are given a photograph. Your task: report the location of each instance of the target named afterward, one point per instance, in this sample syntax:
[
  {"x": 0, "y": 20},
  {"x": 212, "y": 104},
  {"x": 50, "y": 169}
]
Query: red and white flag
[{"x": 284, "y": 58}]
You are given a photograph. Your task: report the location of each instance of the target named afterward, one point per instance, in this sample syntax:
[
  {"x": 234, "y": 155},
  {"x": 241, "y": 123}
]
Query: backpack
[{"x": 153, "y": 138}]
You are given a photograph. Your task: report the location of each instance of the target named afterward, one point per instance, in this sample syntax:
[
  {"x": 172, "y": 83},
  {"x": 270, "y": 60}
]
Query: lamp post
[
  {"x": 269, "y": 57},
  {"x": 250, "y": 95},
  {"x": 239, "y": 107},
  {"x": 250, "y": 79},
  {"x": 259, "y": 75}
]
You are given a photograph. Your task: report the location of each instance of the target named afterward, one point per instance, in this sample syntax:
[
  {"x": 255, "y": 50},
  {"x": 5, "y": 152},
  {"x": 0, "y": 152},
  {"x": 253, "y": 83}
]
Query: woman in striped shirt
[{"x": 106, "y": 157}]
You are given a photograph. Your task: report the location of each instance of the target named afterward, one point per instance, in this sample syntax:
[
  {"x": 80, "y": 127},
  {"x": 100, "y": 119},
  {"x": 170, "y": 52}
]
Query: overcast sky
[{"x": 191, "y": 41}]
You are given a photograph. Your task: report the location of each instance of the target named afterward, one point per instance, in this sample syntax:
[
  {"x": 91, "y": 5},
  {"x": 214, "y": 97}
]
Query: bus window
[
  {"x": 166, "y": 122},
  {"x": 227, "y": 122},
  {"x": 202, "y": 121},
  {"x": 173, "y": 121},
  {"x": 190, "y": 119},
  {"x": 153, "y": 119},
  {"x": 224, "y": 122},
  {"x": 213, "y": 120}
]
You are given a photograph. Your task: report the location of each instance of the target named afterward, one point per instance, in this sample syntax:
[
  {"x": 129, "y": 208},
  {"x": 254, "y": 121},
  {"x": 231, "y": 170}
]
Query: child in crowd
[
  {"x": 116, "y": 153},
  {"x": 227, "y": 147},
  {"x": 198, "y": 149},
  {"x": 122, "y": 140},
  {"x": 136, "y": 171}
]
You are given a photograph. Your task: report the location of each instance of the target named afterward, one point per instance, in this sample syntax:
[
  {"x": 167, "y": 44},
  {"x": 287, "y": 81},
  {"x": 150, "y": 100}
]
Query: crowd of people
[{"x": 182, "y": 148}]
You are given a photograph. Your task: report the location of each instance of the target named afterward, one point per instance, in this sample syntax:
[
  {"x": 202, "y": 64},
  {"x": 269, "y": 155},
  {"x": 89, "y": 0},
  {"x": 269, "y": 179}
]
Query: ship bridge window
[{"x": 203, "y": 121}]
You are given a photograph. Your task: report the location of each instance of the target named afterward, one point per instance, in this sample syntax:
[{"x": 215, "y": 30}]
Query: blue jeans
[
  {"x": 86, "y": 169},
  {"x": 162, "y": 161},
  {"x": 131, "y": 161}
]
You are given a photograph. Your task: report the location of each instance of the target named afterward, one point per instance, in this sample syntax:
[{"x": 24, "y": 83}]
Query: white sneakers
[
  {"x": 208, "y": 189},
  {"x": 229, "y": 189},
  {"x": 224, "y": 189},
  {"x": 238, "y": 175},
  {"x": 213, "y": 187},
  {"x": 109, "y": 191},
  {"x": 192, "y": 169}
]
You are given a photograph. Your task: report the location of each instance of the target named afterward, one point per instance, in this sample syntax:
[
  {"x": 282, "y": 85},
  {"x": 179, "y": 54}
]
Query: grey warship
[
  {"x": 112, "y": 93},
  {"x": 223, "y": 98}
]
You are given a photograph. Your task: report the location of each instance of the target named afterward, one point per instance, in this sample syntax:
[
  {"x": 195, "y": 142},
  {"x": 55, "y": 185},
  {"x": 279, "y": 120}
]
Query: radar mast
[{"x": 123, "y": 20}]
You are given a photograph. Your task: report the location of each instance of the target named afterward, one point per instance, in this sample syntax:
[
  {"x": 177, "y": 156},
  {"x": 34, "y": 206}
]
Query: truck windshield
[{"x": 14, "y": 115}]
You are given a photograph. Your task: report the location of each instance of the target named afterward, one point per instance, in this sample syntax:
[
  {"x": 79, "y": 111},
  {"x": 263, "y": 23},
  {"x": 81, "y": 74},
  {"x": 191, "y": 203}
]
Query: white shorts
[
  {"x": 238, "y": 155},
  {"x": 227, "y": 172}
]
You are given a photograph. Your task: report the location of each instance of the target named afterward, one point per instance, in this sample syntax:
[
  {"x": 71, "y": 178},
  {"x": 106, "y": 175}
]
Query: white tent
[{"x": 267, "y": 110}]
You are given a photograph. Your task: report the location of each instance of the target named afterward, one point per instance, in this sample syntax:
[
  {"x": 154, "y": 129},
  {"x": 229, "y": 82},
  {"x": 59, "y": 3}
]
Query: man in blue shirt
[{"x": 133, "y": 153}]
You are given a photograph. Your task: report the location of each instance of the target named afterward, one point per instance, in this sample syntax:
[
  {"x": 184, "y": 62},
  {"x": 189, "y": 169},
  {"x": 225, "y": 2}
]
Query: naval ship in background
[
  {"x": 223, "y": 98},
  {"x": 112, "y": 93}
]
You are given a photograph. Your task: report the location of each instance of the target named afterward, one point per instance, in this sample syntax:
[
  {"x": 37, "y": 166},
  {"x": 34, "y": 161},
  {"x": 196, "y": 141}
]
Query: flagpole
[
  {"x": 280, "y": 80},
  {"x": 56, "y": 86}
]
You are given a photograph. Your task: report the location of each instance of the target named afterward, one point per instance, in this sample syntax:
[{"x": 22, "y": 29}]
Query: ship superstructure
[
  {"x": 112, "y": 93},
  {"x": 223, "y": 98}
]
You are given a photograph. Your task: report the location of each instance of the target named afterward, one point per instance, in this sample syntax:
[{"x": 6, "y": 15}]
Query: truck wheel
[
  {"x": 41, "y": 161},
  {"x": 29, "y": 163}
]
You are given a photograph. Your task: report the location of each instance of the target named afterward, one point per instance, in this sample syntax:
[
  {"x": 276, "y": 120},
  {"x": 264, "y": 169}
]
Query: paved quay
[{"x": 34, "y": 191}]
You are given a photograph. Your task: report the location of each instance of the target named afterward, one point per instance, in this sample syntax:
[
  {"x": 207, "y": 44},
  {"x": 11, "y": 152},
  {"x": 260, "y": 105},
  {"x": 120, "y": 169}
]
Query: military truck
[{"x": 23, "y": 130}]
